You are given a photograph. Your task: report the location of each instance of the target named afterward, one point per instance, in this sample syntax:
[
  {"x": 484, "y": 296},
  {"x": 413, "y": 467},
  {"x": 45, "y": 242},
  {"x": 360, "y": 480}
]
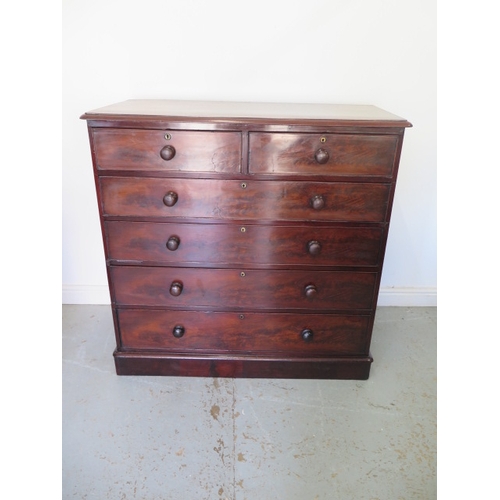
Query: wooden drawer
[
  {"x": 193, "y": 151},
  {"x": 249, "y": 332},
  {"x": 322, "y": 154},
  {"x": 242, "y": 288},
  {"x": 237, "y": 245},
  {"x": 252, "y": 200}
]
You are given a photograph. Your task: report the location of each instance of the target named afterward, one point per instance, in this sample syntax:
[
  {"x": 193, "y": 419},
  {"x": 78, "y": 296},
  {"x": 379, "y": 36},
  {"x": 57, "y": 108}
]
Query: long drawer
[
  {"x": 242, "y": 288},
  {"x": 249, "y": 332},
  {"x": 236, "y": 245},
  {"x": 167, "y": 151},
  {"x": 251, "y": 200},
  {"x": 322, "y": 154}
]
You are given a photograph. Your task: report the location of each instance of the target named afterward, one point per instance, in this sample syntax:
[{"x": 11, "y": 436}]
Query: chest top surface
[{"x": 248, "y": 112}]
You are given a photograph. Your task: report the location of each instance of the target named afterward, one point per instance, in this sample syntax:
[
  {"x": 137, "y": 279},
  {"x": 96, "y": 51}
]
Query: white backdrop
[{"x": 380, "y": 52}]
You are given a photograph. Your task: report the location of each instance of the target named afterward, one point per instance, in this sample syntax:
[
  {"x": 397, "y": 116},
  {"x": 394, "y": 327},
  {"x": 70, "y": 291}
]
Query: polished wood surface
[
  {"x": 188, "y": 151},
  {"x": 221, "y": 332},
  {"x": 250, "y": 111},
  {"x": 243, "y": 288},
  {"x": 246, "y": 244},
  {"x": 251, "y": 200},
  {"x": 244, "y": 239},
  {"x": 322, "y": 154},
  {"x": 169, "y": 363}
]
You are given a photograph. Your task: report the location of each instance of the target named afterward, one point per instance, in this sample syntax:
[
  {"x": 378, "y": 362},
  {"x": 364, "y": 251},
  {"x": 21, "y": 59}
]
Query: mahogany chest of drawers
[{"x": 244, "y": 239}]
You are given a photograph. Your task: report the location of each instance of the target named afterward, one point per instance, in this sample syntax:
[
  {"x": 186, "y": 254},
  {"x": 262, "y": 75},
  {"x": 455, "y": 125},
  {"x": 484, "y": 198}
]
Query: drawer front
[
  {"x": 242, "y": 289},
  {"x": 322, "y": 154},
  {"x": 253, "y": 200},
  {"x": 185, "y": 151},
  {"x": 237, "y": 245},
  {"x": 205, "y": 332}
]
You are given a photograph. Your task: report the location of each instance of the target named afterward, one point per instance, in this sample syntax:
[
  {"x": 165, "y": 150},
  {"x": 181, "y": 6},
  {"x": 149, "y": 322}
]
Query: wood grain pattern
[
  {"x": 234, "y": 245},
  {"x": 167, "y": 363},
  {"x": 348, "y": 154},
  {"x": 244, "y": 239},
  {"x": 251, "y": 332},
  {"x": 252, "y": 200},
  {"x": 257, "y": 289},
  {"x": 247, "y": 112},
  {"x": 217, "y": 152}
]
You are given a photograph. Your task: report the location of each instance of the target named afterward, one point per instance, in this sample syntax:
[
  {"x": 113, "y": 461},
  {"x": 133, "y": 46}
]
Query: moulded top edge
[{"x": 245, "y": 111}]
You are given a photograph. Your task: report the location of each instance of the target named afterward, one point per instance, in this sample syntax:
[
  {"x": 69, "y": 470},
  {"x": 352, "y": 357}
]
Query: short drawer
[
  {"x": 242, "y": 288},
  {"x": 249, "y": 244},
  {"x": 182, "y": 151},
  {"x": 252, "y": 200},
  {"x": 322, "y": 154},
  {"x": 248, "y": 332}
]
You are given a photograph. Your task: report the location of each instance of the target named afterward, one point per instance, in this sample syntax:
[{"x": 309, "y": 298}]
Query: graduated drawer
[
  {"x": 249, "y": 244},
  {"x": 249, "y": 332},
  {"x": 242, "y": 288},
  {"x": 322, "y": 154},
  {"x": 184, "y": 151},
  {"x": 253, "y": 200}
]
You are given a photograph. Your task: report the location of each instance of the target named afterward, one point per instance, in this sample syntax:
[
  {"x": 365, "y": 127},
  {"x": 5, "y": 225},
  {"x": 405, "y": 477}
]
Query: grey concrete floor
[{"x": 162, "y": 438}]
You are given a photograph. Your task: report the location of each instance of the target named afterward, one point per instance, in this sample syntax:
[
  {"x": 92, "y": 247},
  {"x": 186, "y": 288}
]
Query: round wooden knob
[
  {"x": 310, "y": 291},
  {"x": 321, "y": 156},
  {"x": 173, "y": 243},
  {"x": 314, "y": 247},
  {"x": 176, "y": 288},
  {"x": 167, "y": 153},
  {"x": 178, "y": 331},
  {"x": 307, "y": 334},
  {"x": 170, "y": 199},
  {"x": 318, "y": 202}
]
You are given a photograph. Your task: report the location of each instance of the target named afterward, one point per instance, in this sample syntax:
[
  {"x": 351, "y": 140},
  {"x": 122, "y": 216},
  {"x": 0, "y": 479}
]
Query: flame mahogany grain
[
  {"x": 247, "y": 244},
  {"x": 244, "y": 239}
]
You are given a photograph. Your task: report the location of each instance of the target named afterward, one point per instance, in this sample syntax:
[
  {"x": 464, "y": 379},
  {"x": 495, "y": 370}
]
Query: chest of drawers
[{"x": 244, "y": 239}]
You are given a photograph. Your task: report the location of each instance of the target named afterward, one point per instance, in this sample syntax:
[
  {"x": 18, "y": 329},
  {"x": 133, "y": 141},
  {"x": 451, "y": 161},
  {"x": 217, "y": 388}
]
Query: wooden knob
[
  {"x": 318, "y": 202},
  {"x": 170, "y": 199},
  {"x": 310, "y": 291},
  {"x": 167, "y": 153},
  {"x": 176, "y": 288},
  {"x": 307, "y": 334},
  {"x": 322, "y": 156},
  {"x": 314, "y": 247},
  {"x": 173, "y": 243},
  {"x": 178, "y": 331}
]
